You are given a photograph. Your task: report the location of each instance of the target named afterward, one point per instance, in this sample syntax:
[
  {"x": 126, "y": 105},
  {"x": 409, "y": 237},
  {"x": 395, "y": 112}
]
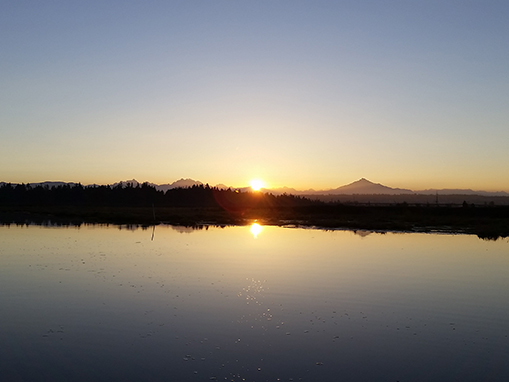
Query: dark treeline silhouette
[
  {"x": 144, "y": 195},
  {"x": 413, "y": 199},
  {"x": 144, "y": 204}
]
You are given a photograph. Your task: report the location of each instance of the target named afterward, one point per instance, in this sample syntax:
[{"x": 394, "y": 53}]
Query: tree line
[{"x": 143, "y": 195}]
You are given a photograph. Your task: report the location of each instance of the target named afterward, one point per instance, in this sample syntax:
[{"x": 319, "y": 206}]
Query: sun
[{"x": 257, "y": 184}]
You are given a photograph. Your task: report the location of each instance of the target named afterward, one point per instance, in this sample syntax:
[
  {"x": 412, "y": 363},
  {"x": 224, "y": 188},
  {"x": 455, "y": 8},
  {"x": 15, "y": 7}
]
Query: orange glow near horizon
[{"x": 257, "y": 184}]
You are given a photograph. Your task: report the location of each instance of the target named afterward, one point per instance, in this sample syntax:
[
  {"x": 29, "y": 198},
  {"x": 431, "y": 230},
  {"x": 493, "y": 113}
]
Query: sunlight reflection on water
[
  {"x": 99, "y": 303},
  {"x": 256, "y": 229}
]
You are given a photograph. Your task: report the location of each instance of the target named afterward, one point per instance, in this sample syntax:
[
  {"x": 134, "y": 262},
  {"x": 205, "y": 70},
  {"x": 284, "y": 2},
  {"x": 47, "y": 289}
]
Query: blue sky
[{"x": 318, "y": 94}]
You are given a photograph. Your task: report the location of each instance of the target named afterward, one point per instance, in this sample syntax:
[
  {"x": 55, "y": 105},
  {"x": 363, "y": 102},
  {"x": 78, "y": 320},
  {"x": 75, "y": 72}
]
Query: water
[{"x": 100, "y": 303}]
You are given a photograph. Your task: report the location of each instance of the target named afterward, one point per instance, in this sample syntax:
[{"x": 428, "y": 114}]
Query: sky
[{"x": 304, "y": 94}]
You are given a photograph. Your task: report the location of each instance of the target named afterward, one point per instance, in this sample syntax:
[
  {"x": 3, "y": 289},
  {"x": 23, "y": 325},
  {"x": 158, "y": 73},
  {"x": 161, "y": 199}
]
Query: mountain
[
  {"x": 185, "y": 183},
  {"x": 452, "y": 191},
  {"x": 124, "y": 183},
  {"x": 364, "y": 186},
  {"x": 44, "y": 184},
  {"x": 359, "y": 187},
  {"x": 56, "y": 184},
  {"x": 182, "y": 183},
  {"x": 222, "y": 186},
  {"x": 289, "y": 191}
]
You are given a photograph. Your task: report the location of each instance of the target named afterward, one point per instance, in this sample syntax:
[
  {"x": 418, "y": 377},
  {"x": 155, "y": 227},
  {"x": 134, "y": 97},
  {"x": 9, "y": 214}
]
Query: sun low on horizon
[
  {"x": 257, "y": 184},
  {"x": 282, "y": 91}
]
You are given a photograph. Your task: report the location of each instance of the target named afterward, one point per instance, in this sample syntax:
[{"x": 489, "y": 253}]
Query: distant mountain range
[
  {"x": 365, "y": 187},
  {"x": 181, "y": 183},
  {"x": 359, "y": 187}
]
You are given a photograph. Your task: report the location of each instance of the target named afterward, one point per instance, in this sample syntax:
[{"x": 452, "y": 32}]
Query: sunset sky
[{"x": 411, "y": 94}]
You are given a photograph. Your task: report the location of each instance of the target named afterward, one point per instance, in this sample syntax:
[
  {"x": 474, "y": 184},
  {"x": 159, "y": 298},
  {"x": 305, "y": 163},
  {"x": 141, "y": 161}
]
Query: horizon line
[{"x": 266, "y": 189}]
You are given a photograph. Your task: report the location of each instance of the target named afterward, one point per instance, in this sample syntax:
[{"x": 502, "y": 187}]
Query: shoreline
[{"x": 489, "y": 223}]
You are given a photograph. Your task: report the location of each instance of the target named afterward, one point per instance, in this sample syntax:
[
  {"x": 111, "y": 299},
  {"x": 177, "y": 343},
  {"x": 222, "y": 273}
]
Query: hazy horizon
[
  {"x": 298, "y": 94},
  {"x": 264, "y": 187}
]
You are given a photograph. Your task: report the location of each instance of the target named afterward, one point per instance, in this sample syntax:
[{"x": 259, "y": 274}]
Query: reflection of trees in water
[
  {"x": 194, "y": 227},
  {"x": 188, "y": 229},
  {"x": 362, "y": 233},
  {"x": 73, "y": 205},
  {"x": 38, "y": 221}
]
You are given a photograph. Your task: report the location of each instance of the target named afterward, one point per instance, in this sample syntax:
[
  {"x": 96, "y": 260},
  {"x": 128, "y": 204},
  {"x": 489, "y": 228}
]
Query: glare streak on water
[{"x": 105, "y": 304}]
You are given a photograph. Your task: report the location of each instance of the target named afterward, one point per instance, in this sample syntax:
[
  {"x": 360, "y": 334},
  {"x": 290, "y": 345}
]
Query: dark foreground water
[{"x": 102, "y": 304}]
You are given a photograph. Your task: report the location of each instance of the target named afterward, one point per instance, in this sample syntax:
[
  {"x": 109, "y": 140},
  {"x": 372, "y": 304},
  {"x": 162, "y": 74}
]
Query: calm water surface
[{"x": 100, "y": 303}]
